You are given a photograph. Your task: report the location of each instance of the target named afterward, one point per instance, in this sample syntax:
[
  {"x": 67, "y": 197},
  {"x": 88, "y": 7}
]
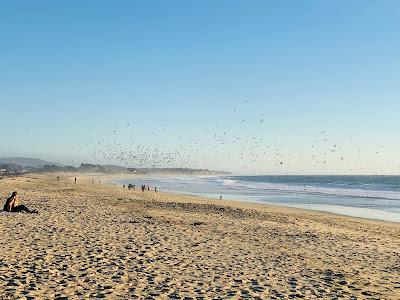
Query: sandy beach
[{"x": 95, "y": 240}]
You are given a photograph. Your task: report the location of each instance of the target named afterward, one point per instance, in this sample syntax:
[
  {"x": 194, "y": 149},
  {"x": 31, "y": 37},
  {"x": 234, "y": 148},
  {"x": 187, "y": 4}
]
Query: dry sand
[{"x": 101, "y": 241}]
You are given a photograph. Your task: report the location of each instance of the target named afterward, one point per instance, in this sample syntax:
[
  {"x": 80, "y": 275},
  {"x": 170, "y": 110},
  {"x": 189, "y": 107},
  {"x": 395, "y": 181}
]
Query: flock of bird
[{"x": 217, "y": 146}]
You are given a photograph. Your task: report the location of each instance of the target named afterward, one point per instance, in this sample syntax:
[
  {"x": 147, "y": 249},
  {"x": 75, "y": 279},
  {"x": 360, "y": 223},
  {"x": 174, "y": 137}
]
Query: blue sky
[{"x": 198, "y": 75}]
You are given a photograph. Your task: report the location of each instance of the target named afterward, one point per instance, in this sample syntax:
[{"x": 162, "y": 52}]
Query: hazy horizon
[{"x": 267, "y": 88}]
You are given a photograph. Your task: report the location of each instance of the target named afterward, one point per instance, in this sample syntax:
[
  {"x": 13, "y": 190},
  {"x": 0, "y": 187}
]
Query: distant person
[
  {"x": 148, "y": 188},
  {"x": 220, "y": 197},
  {"x": 134, "y": 187},
  {"x": 155, "y": 189},
  {"x": 12, "y": 205},
  {"x": 123, "y": 186},
  {"x": 75, "y": 180}
]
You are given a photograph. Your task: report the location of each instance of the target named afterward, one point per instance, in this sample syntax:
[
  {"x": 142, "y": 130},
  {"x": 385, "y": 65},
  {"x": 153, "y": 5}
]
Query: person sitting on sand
[{"x": 12, "y": 205}]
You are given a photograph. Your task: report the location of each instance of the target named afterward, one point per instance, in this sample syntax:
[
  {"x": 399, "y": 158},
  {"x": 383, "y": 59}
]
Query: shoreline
[
  {"x": 100, "y": 240},
  {"x": 343, "y": 210}
]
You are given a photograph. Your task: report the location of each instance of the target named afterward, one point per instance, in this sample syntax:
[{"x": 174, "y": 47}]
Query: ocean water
[{"x": 372, "y": 197}]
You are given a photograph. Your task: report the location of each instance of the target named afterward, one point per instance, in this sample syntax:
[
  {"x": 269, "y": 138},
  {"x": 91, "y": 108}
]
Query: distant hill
[
  {"x": 20, "y": 165},
  {"x": 26, "y": 162},
  {"x": 114, "y": 168}
]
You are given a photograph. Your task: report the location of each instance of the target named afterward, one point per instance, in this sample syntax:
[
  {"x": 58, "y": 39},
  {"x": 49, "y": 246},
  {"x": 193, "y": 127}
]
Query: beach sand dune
[{"x": 102, "y": 241}]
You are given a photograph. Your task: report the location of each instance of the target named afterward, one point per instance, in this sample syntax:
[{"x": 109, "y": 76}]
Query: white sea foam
[
  {"x": 338, "y": 191},
  {"x": 359, "y": 212}
]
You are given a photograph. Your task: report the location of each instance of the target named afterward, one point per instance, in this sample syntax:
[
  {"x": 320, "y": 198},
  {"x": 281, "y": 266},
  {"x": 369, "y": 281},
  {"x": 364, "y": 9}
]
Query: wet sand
[{"x": 103, "y": 241}]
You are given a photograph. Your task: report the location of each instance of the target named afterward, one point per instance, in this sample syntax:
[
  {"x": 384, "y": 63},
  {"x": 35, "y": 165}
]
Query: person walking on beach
[
  {"x": 12, "y": 205},
  {"x": 75, "y": 180}
]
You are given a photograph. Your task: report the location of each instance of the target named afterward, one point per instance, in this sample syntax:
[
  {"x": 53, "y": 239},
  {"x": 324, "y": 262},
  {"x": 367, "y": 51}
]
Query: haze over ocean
[{"x": 263, "y": 88}]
